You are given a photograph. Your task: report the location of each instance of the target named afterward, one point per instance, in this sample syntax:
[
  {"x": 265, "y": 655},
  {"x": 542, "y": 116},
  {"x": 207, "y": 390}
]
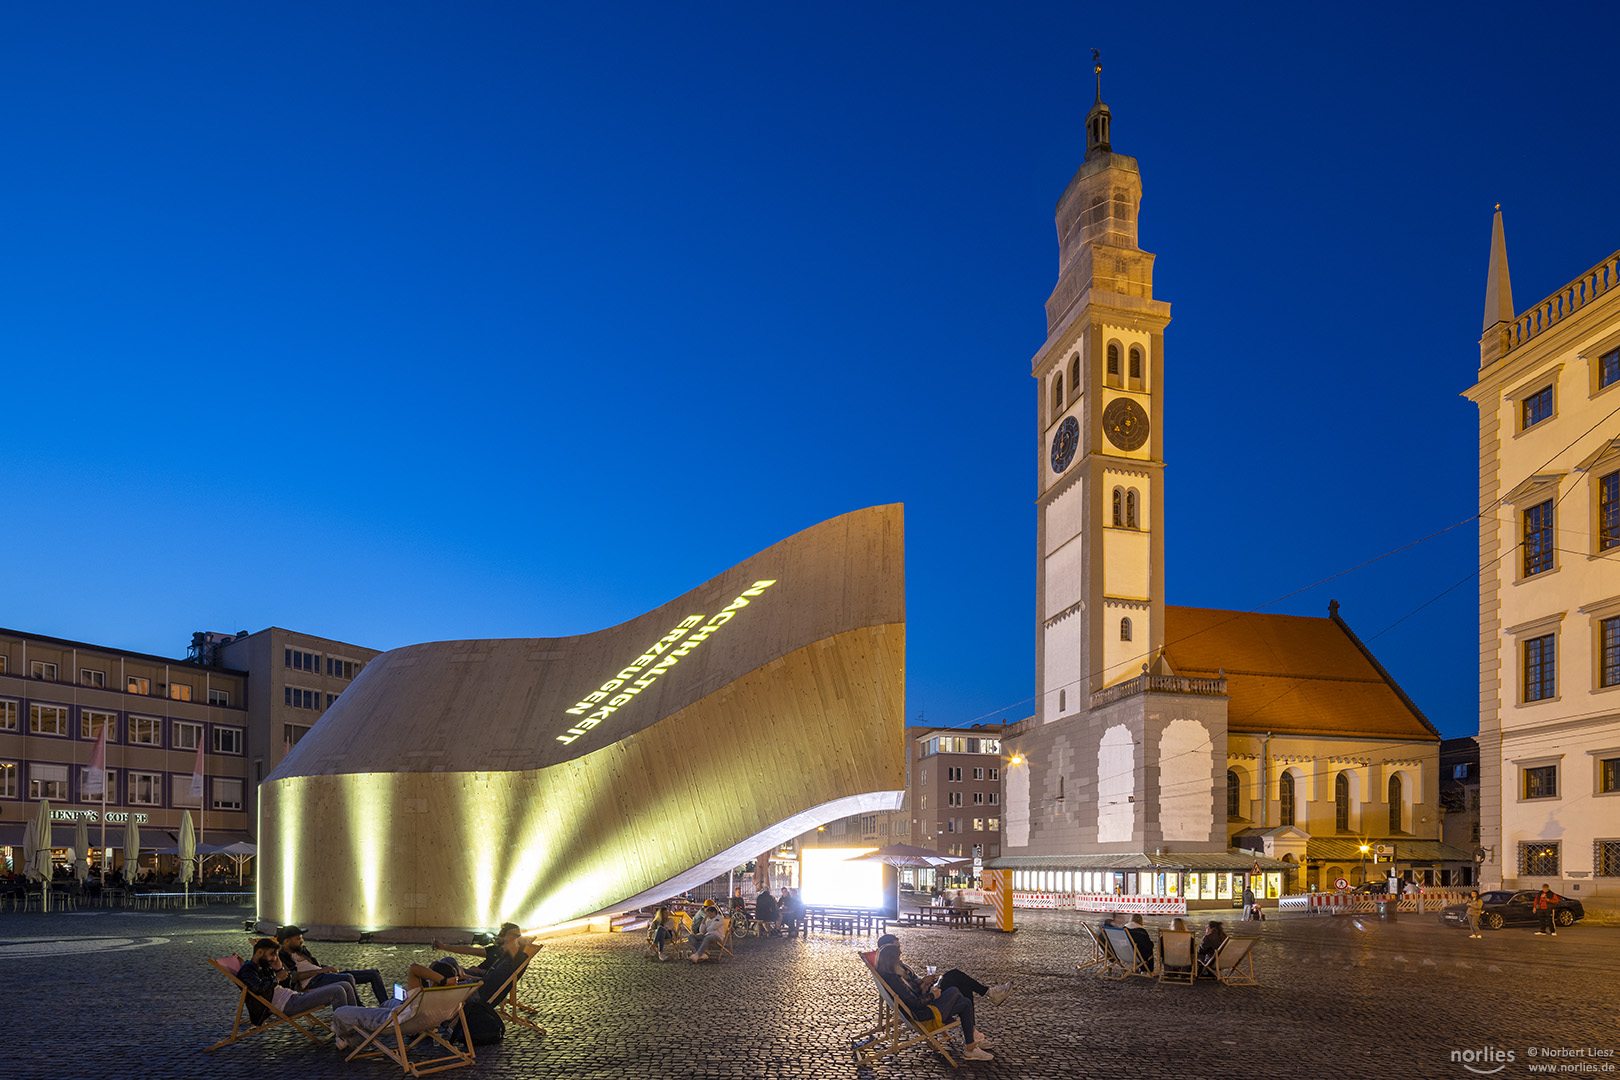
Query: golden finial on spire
[{"x": 1096, "y": 61}]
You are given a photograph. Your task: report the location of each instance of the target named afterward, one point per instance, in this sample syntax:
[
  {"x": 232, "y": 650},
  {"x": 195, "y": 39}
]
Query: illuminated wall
[{"x": 464, "y": 783}]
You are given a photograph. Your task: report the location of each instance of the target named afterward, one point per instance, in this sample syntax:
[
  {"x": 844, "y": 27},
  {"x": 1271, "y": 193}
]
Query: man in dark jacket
[{"x": 267, "y": 982}]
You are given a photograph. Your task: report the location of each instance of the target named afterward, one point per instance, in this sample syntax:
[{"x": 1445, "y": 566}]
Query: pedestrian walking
[
  {"x": 1476, "y": 907},
  {"x": 1248, "y": 902}
]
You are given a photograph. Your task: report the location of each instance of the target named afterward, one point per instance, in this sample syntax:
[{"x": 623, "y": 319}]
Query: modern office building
[{"x": 1548, "y": 392}]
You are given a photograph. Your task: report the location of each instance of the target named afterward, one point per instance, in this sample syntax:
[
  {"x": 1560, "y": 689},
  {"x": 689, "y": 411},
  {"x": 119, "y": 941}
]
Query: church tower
[{"x": 1100, "y": 494}]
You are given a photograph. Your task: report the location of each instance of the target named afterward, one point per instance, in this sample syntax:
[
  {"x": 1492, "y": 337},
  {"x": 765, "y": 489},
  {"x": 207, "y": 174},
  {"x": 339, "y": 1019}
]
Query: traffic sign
[
  {"x": 1255, "y": 869},
  {"x": 1341, "y": 885}
]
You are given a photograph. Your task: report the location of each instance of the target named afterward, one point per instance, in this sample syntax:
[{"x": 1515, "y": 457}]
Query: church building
[{"x": 1175, "y": 751}]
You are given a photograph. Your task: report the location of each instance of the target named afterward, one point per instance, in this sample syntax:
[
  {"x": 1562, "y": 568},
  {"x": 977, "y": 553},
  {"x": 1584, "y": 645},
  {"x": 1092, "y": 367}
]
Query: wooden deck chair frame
[
  {"x": 430, "y": 1013},
  {"x": 1176, "y": 945},
  {"x": 1100, "y": 956},
  {"x": 890, "y": 1034},
  {"x": 511, "y": 1009},
  {"x": 242, "y": 1026},
  {"x": 1236, "y": 968},
  {"x": 680, "y": 934},
  {"x": 728, "y": 936},
  {"x": 1118, "y": 940}
]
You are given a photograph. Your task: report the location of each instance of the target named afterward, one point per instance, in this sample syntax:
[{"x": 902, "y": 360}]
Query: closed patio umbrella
[
  {"x": 81, "y": 848},
  {"x": 42, "y": 858},
  {"x": 188, "y": 853},
  {"x": 132, "y": 850},
  {"x": 908, "y": 855},
  {"x": 30, "y": 850}
]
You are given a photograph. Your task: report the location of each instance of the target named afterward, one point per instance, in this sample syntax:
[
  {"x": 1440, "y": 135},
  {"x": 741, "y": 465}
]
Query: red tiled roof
[{"x": 1292, "y": 674}]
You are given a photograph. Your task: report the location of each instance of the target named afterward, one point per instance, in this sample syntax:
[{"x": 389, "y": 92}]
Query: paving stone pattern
[{"x": 113, "y": 994}]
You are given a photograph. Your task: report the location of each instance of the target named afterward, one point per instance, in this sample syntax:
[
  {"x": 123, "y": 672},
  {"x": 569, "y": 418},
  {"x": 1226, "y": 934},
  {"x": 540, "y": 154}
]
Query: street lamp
[{"x": 1364, "y": 850}]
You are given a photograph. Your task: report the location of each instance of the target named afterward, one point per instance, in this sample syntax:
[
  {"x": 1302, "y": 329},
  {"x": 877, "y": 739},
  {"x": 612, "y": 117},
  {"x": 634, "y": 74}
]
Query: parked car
[
  {"x": 1372, "y": 888},
  {"x": 908, "y": 887},
  {"x": 1505, "y": 908}
]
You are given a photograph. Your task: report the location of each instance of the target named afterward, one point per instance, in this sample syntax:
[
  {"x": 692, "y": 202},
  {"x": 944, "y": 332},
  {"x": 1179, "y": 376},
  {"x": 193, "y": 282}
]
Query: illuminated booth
[{"x": 460, "y": 784}]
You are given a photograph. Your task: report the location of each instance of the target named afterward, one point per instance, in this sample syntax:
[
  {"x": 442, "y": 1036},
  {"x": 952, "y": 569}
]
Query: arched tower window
[
  {"x": 1286, "y": 796},
  {"x": 1122, "y": 208},
  {"x": 1136, "y": 361},
  {"x": 1233, "y": 789},
  {"x": 1063, "y": 701},
  {"x": 1130, "y": 509},
  {"x": 1113, "y": 360},
  {"x": 1124, "y": 629},
  {"x": 1395, "y": 804},
  {"x": 1341, "y": 803},
  {"x": 1119, "y": 513},
  {"x": 1074, "y": 377},
  {"x": 1057, "y": 396}
]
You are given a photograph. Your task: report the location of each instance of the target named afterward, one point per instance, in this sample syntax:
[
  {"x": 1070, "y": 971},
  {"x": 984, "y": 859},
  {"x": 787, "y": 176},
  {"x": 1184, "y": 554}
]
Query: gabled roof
[{"x": 1292, "y": 674}]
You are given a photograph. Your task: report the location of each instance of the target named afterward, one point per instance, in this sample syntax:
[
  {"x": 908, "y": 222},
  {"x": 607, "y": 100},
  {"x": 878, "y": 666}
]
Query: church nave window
[
  {"x": 1124, "y": 629},
  {"x": 1341, "y": 802},
  {"x": 1395, "y": 804},
  {"x": 1285, "y": 799},
  {"x": 1233, "y": 793}
]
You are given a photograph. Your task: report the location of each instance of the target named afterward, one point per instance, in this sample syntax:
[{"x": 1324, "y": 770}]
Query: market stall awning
[
  {"x": 1407, "y": 850},
  {"x": 1190, "y": 860}
]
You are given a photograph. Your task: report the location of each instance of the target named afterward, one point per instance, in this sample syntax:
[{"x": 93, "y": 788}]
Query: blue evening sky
[{"x": 400, "y": 322}]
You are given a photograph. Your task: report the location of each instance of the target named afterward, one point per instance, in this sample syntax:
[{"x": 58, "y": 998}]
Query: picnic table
[{"x": 966, "y": 915}]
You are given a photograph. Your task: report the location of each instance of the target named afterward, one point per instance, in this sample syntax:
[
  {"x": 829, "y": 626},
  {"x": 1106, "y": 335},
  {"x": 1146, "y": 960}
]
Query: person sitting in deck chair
[
  {"x": 309, "y": 973},
  {"x": 1141, "y": 939},
  {"x": 708, "y": 928},
  {"x": 1178, "y": 925},
  {"x": 916, "y": 999},
  {"x": 956, "y": 978},
  {"x": 792, "y": 910},
  {"x": 268, "y": 981},
  {"x": 488, "y": 954},
  {"x": 1214, "y": 938},
  {"x": 663, "y": 928}
]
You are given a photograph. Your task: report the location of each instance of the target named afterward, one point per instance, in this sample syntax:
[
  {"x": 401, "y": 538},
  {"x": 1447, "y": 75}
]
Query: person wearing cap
[
  {"x": 310, "y": 974},
  {"x": 489, "y": 954},
  {"x": 267, "y": 981},
  {"x": 711, "y": 924}
]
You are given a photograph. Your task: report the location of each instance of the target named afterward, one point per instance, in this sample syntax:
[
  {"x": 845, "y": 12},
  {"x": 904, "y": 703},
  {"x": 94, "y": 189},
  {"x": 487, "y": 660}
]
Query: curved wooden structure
[{"x": 464, "y": 783}]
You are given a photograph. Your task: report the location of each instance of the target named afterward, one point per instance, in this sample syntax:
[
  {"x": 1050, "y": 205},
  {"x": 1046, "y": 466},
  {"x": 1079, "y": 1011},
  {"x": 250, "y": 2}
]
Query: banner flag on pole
[
  {"x": 96, "y": 781},
  {"x": 197, "y": 771}
]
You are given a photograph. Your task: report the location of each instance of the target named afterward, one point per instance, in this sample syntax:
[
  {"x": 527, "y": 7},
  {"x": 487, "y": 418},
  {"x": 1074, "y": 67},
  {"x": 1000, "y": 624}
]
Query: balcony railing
[
  {"x": 1565, "y": 302},
  {"x": 1158, "y": 684}
]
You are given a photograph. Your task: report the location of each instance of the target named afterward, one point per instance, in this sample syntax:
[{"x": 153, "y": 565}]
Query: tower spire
[
  {"x": 1098, "y": 120},
  {"x": 1498, "y": 289}
]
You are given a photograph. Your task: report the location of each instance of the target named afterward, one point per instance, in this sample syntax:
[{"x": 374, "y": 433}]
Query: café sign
[{"x": 114, "y": 817}]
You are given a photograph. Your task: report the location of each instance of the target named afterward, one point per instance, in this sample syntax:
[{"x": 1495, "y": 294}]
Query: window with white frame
[
  {"x": 88, "y": 796},
  {"x": 92, "y": 677},
  {"x": 146, "y": 788},
  {"x": 47, "y": 781},
  {"x": 992, "y": 824},
  {"x": 227, "y": 740},
  {"x": 302, "y": 661},
  {"x": 953, "y": 798},
  {"x": 978, "y": 798},
  {"x": 91, "y": 721},
  {"x": 995, "y": 798},
  {"x": 978, "y": 824},
  {"x": 227, "y": 794},
  {"x": 219, "y": 697},
  {"x": 179, "y": 691},
  {"x": 301, "y": 699},
  {"x": 8, "y": 779},
  {"x": 292, "y": 733},
  {"x": 8, "y": 716},
  {"x": 180, "y": 791},
  {"x": 342, "y": 669},
  {"x": 145, "y": 731},
  {"x": 47, "y": 720},
  {"x": 953, "y": 774},
  {"x": 995, "y": 774},
  {"x": 978, "y": 773},
  {"x": 187, "y": 736},
  {"x": 42, "y": 669},
  {"x": 137, "y": 685},
  {"x": 5, "y": 663}
]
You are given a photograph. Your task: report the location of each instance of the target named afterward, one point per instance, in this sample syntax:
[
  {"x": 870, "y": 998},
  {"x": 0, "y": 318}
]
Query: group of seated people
[
  {"x": 1208, "y": 946},
  {"x": 708, "y": 926},
  {"x": 284, "y": 973},
  {"x": 950, "y": 994}
]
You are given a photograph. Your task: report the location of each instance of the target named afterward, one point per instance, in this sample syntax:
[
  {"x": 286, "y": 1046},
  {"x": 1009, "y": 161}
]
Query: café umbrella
[
  {"x": 188, "y": 853},
  {"x": 81, "y": 848},
  {"x": 42, "y": 858},
  {"x": 30, "y": 850},
  {"x": 132, "y": 850},
  {"x": 908, "y": 855}
]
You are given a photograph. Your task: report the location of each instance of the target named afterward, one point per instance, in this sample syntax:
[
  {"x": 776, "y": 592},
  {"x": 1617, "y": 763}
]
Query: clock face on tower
[
  {"x": 1125, "y": 424},
  {"x": 1064, "y": 443}
]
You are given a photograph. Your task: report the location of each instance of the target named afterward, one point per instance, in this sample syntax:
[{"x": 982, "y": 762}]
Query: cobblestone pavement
[{"x": 113, "y": 994}]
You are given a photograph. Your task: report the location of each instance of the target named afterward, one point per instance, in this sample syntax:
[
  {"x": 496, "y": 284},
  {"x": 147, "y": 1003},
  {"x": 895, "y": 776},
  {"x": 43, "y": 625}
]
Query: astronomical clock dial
[
  {"x": 1125, "y": 424},
  {"x": 1064, "y": 443}
]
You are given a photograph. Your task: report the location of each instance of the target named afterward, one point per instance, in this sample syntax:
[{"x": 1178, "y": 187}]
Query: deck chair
[
  {"x": 243, "y": 1025},
  {"x": 895, "y": 1030},
  {"x": 1177, "y": 946},
  {"x": 680, "y": 935},
  {"x": 511, "y": 1008},
  {"x": 728, "y": 936},
  {"x": 1129, "y": 961},
  {"x": 417, "y": 1018},
  {"x": 1099, "y": 956},
  {"x": 1234, "y": 962}
]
